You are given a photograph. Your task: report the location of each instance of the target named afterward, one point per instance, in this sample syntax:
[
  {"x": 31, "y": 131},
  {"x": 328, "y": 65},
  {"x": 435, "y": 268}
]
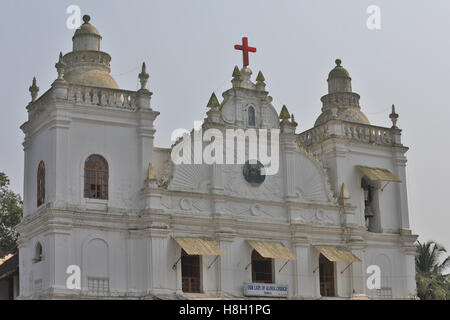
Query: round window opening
[{"x": 254, "y": 172}]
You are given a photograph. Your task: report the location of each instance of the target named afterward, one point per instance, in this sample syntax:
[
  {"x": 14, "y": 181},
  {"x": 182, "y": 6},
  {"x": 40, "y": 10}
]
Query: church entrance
[
  {"x": 327, "y": 281},
  {"x": 190, "y": 272}
]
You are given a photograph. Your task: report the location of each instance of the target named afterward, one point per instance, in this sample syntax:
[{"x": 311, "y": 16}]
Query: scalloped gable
[{"x": 312, "y": 182}]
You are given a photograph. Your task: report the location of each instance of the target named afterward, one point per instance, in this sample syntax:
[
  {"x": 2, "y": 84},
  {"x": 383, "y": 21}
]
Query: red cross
[{"x": 245, "y": 50}]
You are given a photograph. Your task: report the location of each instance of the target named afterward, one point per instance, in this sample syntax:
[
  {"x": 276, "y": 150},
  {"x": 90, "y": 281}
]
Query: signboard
[{"x": 265, "y": 290}]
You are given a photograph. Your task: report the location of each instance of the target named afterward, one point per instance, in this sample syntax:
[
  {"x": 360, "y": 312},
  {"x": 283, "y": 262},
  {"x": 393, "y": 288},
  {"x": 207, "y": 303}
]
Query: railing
[
  {"x": 347, "y": 130},
  {"x": 314, "y": 136},
  {"x": 367, "y": 133},
  {"x": 82, "y": 57},
  {"x": 102, "y": 97}
]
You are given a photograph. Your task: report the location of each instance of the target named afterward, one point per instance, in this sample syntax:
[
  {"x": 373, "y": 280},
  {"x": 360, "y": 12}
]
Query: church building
[{"x": 108, "y": 215}]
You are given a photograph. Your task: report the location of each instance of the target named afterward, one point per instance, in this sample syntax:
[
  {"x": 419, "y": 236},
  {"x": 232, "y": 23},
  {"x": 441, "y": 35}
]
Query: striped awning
[
  {"x": 274, "y": 250},
  {"x": 378, "y": 174},
  {"x": 337, "y": 254},
  {"x": 200, "y": 247}
]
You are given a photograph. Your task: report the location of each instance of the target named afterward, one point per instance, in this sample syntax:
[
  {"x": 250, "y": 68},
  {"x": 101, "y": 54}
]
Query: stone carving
[
  {"x": 186, "y": 204},
  {"x": 322, "y": 217},
  {"x": 201, "y": 205},
  {"x": 194, "y": 205},
  {"x": 158, "y": 179},
  {"x": 236, "y": 208},
  {"x": 235, "y": 185},
  {"x": 317, "y": 216},
  {"x": 255, "y": 210}
]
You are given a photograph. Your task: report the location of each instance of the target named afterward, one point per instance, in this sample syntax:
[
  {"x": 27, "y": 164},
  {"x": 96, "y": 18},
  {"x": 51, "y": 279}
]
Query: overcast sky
[{"x": 188, "y": 47}]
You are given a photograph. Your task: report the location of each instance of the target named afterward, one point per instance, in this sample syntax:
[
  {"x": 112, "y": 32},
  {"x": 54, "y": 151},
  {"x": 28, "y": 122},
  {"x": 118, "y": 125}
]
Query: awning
[
  {"x": 274, "y": 250},
  {"x": 8, "y": 265},
  {"x": 377, "y": 174},
  {"x": 337, "y": 254},
  {"x": 5, "y": 258},
  {"x": 200, "y": 247}
]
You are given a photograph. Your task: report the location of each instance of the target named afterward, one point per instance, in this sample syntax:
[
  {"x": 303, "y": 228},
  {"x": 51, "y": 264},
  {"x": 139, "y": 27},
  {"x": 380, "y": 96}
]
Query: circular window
[{"x": 254, "y": 172}]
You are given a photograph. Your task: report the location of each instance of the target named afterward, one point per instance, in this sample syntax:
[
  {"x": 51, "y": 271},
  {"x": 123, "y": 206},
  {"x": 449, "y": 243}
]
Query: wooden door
[
  {"x": 327, "y": 281},
  {"x": 190, "y": 272}
]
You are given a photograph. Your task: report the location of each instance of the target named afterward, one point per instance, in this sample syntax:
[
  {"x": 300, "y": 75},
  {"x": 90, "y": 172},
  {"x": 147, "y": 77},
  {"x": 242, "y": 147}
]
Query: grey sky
[{"x": 188, "y": 47}]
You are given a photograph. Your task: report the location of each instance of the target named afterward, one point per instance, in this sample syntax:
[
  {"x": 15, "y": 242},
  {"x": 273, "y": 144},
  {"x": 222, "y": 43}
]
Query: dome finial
[
  {"x": 86, "y": 18},
  {"x": 338, "y": 62}
]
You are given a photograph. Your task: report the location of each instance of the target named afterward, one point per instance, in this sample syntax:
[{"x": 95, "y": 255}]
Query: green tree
[
  {"x": 10, "y": 216},
  {"x": 431, "y": 283}
]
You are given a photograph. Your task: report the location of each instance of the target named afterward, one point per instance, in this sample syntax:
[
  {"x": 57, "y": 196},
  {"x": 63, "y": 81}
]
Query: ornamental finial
[
  {"x": 60, "y": 66},
  {"x": 260, "y": 77},
  {"x": 284, "y": 114},
  {"x": 236, "y": 73},
  {"x": 344, "y": 194},
  {"x": 287, "y": 123},
  {"x": 338, "y": 62},
  {"x": 237, "y": 77},
  {"x": 143, "y": 77},
  {"x": 394, "y": 118},
  {"x": 293, "y": 120},
  {"x": 213, "y": 101},
  {"x": 34, "y": 89},
  {"x": 260, "y": 84}
]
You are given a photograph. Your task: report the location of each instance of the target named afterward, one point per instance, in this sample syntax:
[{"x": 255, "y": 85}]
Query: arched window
[
  {"x": 96, "y": 177},
  {"x": 251, "y": 116},
  {"x": 38, "y": 253},
  {"x": 262, "y": 268},
  {"x": 41, "y": 184}
]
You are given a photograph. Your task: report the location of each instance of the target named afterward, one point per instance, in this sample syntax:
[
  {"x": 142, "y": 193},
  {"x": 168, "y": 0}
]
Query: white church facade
[{"x": 99, "y": 195}]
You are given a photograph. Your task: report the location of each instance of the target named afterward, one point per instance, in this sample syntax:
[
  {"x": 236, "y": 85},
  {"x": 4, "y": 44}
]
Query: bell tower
[
  {"x": 370, "y": 161},
  {"x": 95, "y": 142}
]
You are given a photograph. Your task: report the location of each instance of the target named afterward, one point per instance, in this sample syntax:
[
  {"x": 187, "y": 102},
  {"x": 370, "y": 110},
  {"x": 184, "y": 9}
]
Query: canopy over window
[
  {"x": 377, "y": 174},
  {"x": 337, "y": 254},
  {"x": 201, "y": 247},
  {"x": 274, "y": 250}
]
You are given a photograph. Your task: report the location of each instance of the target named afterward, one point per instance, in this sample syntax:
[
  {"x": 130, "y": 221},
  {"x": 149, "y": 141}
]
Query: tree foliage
[
  {"x": 10, "y": 216},
  {"x": 431, "y": 283}
]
